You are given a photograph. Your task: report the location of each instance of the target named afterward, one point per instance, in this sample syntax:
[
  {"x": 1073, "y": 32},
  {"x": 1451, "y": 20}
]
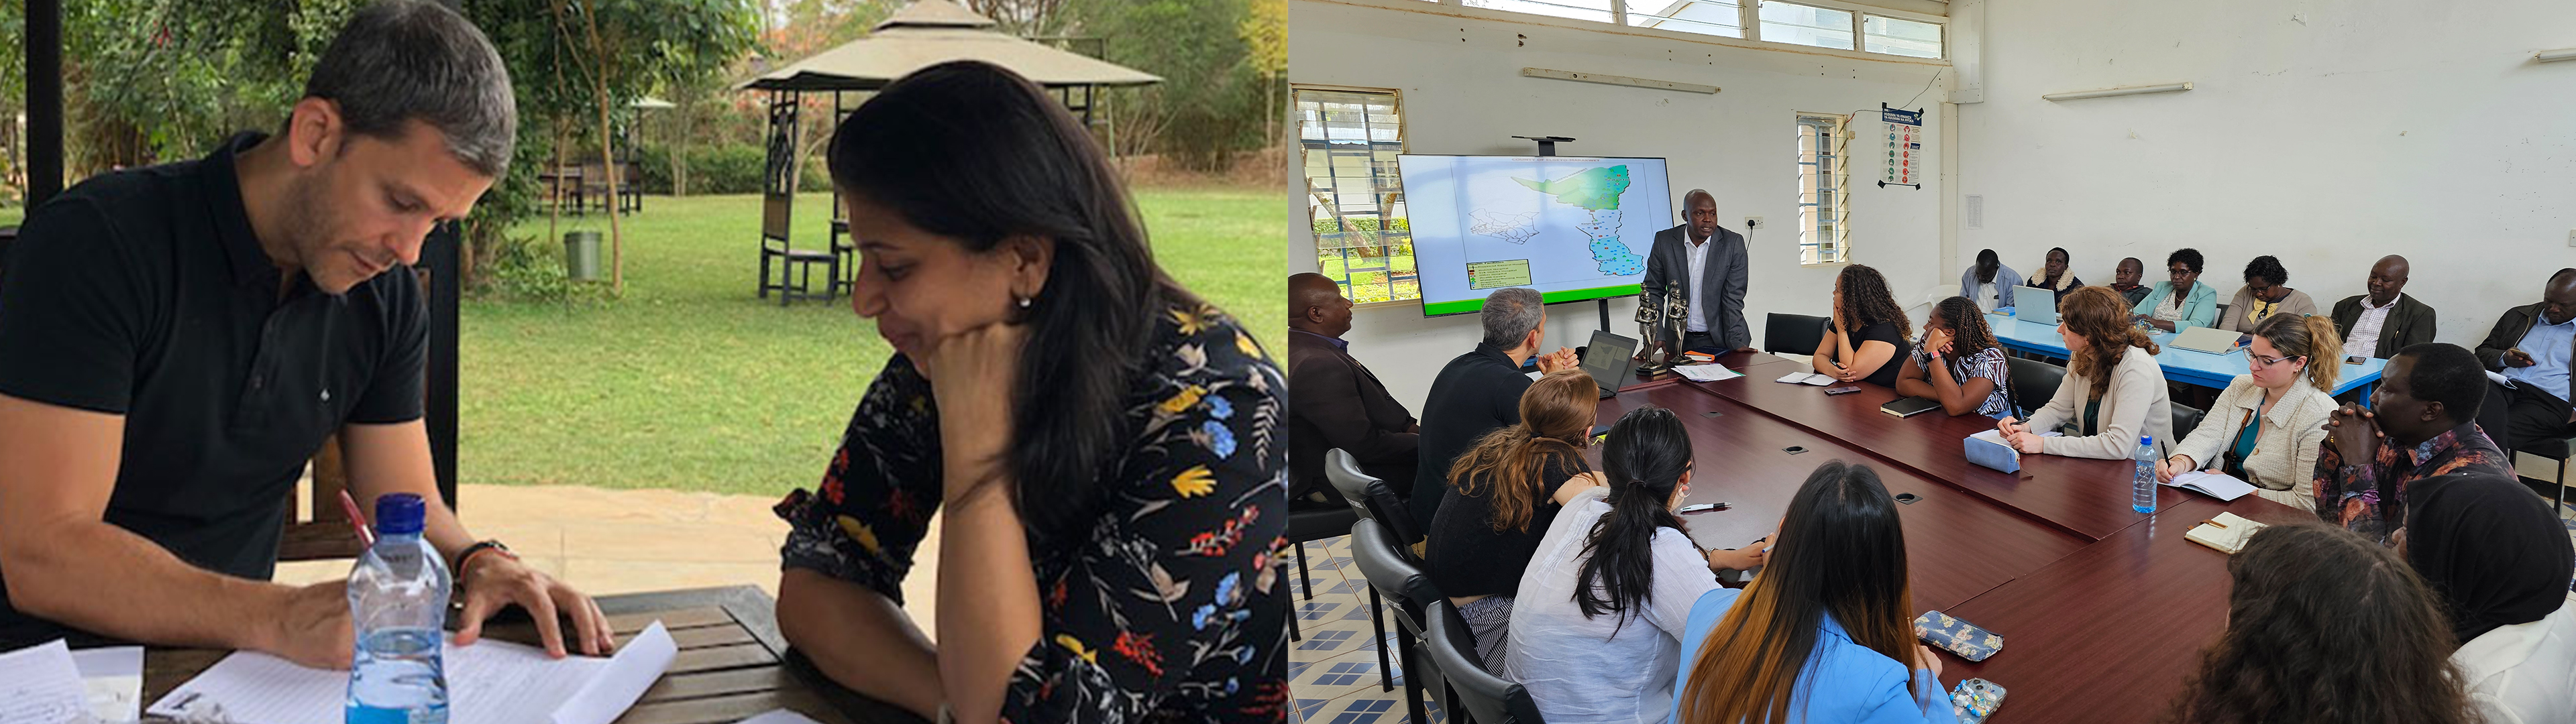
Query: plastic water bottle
[
  {"x": 2142, "y": 491},
  {"x": 398, "y": 606}
]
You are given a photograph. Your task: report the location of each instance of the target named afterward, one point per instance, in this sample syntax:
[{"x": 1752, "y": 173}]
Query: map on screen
[{"x": 1574, "y": 228}]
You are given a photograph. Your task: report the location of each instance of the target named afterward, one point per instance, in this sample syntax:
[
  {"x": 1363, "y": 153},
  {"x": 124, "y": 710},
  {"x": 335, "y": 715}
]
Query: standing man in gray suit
[{"x": 1711, "y": 261}]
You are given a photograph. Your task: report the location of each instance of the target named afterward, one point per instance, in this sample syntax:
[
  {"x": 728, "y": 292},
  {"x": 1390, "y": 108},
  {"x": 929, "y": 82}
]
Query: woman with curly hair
[
  {"x": 2326, "y": 627},
  {"x": 2114, "y": 392},
  {"x": 2263, "y": 296},
  {"x": 1866, "y": 340},
  {"x": 1958, "y": 363}
]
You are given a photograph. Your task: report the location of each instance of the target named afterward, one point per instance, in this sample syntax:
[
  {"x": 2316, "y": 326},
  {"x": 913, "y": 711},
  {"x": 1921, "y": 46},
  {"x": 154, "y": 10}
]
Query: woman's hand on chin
[{"x": 973, "y": 375}]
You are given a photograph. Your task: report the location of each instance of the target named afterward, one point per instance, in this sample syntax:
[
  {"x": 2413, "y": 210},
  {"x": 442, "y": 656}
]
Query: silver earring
[{"x": 1024, "y": 302}]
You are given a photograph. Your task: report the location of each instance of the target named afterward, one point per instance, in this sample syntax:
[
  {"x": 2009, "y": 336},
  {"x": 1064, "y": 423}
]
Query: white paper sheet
[
  {"x": 1806, "y": 378},
  {"x": 41, "y": 685},
  {"x": 113, "y": 678},
  {"x": 490, "y": 682},
  {"x": 2216, "y": 485},
  {"x": 779, "y": 716},
  {"x": 1707, "y": 373}
]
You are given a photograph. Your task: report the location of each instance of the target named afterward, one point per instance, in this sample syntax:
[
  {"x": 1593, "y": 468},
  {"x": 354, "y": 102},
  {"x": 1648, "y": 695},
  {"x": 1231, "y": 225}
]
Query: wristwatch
[{"x": 467, "y": 556}]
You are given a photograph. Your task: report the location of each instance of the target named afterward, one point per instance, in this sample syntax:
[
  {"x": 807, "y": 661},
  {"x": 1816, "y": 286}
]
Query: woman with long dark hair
[
  {"x": 1596, "y": 624},
  {"x": 1958, "y": 363},
  {"x": 1866, "y": 341},
  {"x": 1502, "y": 495},
  {"x": 1828, "y": 627},
  {"x": 2325, "y": 627},
  {"x": 2114, "y": 391},
  {"x": 1100, "y": 444}
]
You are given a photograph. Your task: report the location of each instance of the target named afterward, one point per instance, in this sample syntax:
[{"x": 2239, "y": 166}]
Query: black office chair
[
  {"x": 2033, "y": 382},
  {"x": 1343, "y": 471},
  {"x": 1793, "y": 333},
  {"x": 1391, "y": 571},
  {"x": 2185, "y": 420},
  {"x": 2555, "y": 449},
  {"x": 1309, "y": 520},
  {"x": 1489, "y": 699}
]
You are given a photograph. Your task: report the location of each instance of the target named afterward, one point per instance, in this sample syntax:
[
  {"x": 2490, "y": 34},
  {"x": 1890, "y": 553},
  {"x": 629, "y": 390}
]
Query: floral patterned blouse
[{"x": 1171, "y": 609}]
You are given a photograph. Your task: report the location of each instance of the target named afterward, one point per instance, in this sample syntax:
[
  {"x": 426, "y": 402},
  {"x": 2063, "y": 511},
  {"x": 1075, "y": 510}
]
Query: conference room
[{"x": 1978, "y": 248}]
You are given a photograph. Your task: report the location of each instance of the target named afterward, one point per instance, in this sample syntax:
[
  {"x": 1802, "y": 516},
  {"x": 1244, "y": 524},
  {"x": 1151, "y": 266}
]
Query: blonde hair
[{"x": 2307, "y": 335}]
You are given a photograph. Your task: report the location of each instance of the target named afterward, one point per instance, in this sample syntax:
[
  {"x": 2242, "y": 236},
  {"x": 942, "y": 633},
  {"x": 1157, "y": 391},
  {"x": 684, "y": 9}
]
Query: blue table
[{"x": 2181, "y": 365}]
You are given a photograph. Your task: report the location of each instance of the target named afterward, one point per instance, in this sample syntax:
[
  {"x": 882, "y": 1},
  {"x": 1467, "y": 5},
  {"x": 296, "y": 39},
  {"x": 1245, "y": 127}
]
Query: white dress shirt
[
  {"x": 2524, "y": 673},
  {"x": 2364, "y": 339},
  {"x": 1698, "y": 253}
]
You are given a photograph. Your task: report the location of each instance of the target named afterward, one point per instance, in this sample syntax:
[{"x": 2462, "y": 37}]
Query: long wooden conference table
[{"x": 2103, "y": 610}]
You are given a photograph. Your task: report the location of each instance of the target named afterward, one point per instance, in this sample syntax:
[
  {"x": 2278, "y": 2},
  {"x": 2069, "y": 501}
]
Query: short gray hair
[
  {"x": 1510, "y": 314},
  {"x": 402, "y": 60}
]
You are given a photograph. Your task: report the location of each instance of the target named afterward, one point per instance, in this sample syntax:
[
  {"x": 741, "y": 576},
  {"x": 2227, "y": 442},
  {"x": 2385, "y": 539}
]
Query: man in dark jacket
[
  {"x": 1708, "y": 264},
  {"x": 2534, "y": 345},
  {"x": 1334, "y": 401},
  {"x": 2385, "y": 320},
  {"x": 1480, "y": 391}
]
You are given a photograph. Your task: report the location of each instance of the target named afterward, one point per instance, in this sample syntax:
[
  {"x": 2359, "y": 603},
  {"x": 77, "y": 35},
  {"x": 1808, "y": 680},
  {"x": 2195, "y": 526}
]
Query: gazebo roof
[{"x": 930, "y": 32}]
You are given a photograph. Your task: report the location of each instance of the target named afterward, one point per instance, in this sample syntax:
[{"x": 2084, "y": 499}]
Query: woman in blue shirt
[
  {"x": 1825, "y": 631},
  {"x": 2182, "y": 302}
]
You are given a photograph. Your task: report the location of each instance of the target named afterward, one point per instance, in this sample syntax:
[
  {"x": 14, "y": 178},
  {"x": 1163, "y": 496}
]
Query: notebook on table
[
  {"x": 2216, "y": 485},
  {"x": 2208, "y": 339},
  {"x": 1806, "y": 378},
  {"x": 2226, "y": 533},
  {"x": 1910, "y": 406}
]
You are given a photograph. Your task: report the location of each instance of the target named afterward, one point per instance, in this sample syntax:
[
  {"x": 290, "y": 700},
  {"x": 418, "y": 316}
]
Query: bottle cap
[{"x": 398, "y": 514}]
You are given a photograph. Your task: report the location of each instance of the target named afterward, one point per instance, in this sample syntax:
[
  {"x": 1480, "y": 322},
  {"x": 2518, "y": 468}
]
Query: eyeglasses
[
  {"x": 2270, "y": 361},
  {"x": 2180, "y": 272}
]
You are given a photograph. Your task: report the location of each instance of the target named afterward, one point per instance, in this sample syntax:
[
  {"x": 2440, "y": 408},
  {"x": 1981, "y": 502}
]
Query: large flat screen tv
[{"x": 1573, "y": 228}]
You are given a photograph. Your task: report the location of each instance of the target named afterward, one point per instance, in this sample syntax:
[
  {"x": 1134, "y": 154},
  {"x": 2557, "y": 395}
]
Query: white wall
[
  {"x": 2324, "y": 132},
  {"x": 1459, "y": 70}
]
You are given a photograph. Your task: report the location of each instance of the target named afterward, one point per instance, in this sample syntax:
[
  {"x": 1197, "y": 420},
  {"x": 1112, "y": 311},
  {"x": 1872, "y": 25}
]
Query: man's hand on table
[{"x": 494, "y": 582}]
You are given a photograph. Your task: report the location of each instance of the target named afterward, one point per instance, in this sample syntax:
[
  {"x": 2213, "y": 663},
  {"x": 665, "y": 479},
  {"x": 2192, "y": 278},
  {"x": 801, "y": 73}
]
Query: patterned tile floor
[{"x": 1333, "y": 671}]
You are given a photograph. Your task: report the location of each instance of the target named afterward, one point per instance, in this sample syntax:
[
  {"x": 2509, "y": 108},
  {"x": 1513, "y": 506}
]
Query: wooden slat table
[{"x": 733, "y": 663}]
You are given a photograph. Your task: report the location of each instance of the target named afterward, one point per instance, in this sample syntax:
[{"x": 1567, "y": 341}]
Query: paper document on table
[
  {"x": 1806, "y": 378},
  {"x": 779, "y": 716},
  {"x": 1535, "y": 375},
  {"x": 2216, "y": 485},
  {"x": 1707, "y": 373},
  {"x": 489, "y": 682},
  {"x": 40, "y": 685},
  {"x": 113, "y": 678}
]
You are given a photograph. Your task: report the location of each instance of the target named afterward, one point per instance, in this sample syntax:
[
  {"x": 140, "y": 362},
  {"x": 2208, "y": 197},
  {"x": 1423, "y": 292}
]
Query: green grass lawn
[
  {"x": 9, "y": 216},
  {"x": 691, "y": 383}
]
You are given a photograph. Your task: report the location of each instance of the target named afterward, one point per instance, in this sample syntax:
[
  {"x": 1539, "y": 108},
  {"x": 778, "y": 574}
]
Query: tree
[{"x": 1205, "y": 105}]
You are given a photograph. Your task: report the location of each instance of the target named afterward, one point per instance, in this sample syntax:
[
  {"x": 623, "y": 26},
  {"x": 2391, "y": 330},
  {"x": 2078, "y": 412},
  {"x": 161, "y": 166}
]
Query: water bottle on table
[
  {"x": 2142, "y": 490},
  {"x": 398, "y": 606}
]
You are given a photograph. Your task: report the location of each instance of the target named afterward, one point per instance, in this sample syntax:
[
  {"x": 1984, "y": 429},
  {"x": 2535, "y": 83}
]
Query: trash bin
[{"x": 581, "y": 256}]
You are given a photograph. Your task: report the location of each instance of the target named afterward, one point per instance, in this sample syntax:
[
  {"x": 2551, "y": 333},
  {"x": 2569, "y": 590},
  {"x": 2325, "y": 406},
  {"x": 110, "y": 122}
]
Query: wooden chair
[{"x": 630, "y": 187}]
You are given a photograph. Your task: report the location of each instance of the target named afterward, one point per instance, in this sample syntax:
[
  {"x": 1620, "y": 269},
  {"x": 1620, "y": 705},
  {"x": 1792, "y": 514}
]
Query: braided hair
[{"x": 1968, "y": 332}]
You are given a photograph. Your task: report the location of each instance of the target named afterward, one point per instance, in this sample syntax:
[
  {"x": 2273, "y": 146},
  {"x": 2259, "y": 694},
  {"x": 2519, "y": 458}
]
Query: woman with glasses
[
  {"x": 2266, "y": 428},
  {"x": 2180, "y": 302}
]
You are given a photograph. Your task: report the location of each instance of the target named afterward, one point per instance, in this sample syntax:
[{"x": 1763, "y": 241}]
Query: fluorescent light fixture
[
  {"x": 2120, "y": 91},
  {"x": 2546, "y": 56},
  {"x": 1618, "y": 80}
]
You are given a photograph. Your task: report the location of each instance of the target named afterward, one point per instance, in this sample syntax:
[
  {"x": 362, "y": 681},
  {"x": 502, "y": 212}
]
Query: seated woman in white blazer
[
  {"x": 2267, "y": 427},
  {"x": 2114, "y": 392}
]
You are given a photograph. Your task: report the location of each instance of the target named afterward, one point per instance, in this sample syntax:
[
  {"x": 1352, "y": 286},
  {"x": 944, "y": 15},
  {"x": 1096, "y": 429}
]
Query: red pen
[{"x": 357, "y": 519}]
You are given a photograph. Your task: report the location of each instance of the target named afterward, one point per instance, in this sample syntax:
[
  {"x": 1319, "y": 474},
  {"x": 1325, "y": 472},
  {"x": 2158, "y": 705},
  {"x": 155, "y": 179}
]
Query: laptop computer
[
  {"x": 1607, "y": 359},
  {"x": 2037, "y": 305},
  {"x": 2208, "y": 339}
]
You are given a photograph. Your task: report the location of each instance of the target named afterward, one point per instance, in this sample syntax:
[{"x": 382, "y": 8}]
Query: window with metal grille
[
  {"x": 1823, "y": 231},
  {"x": 1348, "y": 141}
]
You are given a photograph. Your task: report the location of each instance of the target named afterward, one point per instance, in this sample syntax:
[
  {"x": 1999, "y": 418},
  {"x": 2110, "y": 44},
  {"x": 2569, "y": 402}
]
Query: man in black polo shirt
[
  {"x": 1480, "y": 391},
  {"x": 176, "y": 341}
]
